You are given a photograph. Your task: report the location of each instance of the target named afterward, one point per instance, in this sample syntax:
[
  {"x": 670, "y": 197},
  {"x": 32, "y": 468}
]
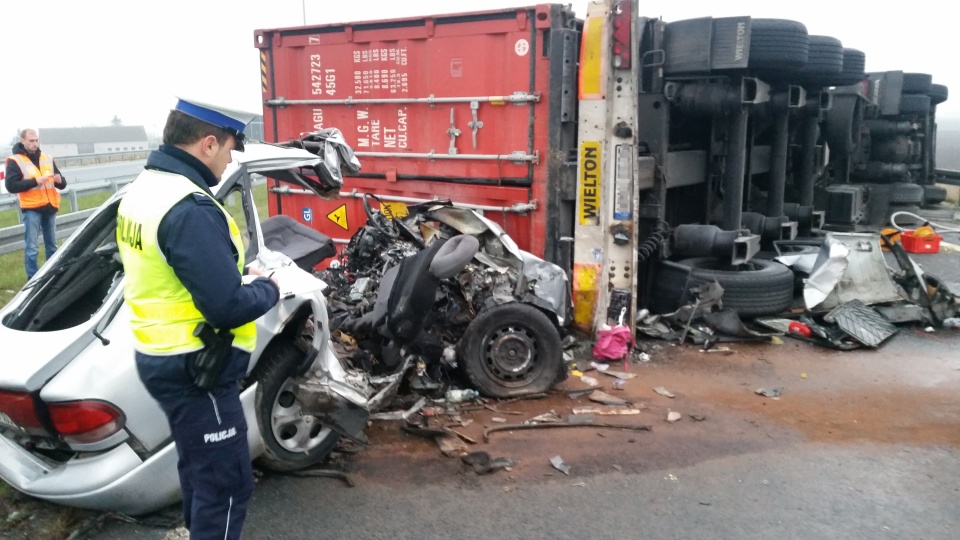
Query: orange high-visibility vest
[{"x": 38, "y": 196}]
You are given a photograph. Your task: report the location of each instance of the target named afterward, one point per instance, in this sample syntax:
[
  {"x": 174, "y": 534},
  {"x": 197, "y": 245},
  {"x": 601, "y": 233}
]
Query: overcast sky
[{"x": 80, "y": 63}]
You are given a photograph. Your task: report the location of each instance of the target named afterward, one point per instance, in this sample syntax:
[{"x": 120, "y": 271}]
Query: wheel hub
[
  {"x": 293, "y": 430},
  {"x": 511, "y": 352}
]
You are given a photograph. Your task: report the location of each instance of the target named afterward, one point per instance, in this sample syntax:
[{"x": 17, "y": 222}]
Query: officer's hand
[
  {"x": 57, "y": 179},
  {"x": 253, "y": 270},
  {"x": 45, "y": 180}
]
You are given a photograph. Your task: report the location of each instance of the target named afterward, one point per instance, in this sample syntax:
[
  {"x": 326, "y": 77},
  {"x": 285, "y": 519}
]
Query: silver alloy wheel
[{"x": 292, "y": 430}]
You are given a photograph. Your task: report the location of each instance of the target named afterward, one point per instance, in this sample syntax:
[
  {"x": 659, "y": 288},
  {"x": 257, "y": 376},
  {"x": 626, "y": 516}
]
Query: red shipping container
[{"x": 479, "y": 108}]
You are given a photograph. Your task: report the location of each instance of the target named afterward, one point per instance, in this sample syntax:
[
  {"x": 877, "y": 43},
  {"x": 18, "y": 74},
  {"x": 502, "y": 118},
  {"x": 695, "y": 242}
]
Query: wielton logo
[
  {"x": 741, "y": 41},
  {"x": 218, "y": 436}
]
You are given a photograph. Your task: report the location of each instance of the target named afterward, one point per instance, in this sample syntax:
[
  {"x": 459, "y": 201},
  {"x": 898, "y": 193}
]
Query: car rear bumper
[{"x": 117, "y": 480}]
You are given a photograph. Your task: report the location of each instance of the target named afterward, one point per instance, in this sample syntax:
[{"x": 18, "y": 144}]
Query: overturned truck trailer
[{"x": 626, "y": 149}]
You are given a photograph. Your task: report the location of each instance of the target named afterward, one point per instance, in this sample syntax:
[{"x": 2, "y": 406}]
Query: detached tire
[
  {"x": 904, "y": 193},
  {"x": 753, "y": 289},
  {"x": 510, "y": 350},
  {"x": 291, "y": 441},
  {"x": 934, "y": 195}
]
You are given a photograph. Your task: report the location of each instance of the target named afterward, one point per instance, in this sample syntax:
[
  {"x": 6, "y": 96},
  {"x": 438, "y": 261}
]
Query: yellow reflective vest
[
  {"x": 38, "y": 196},
  {"x": 163, "y": 315}
]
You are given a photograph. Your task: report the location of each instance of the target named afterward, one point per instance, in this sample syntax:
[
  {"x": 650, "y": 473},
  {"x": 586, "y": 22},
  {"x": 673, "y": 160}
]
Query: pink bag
[{"x": 612, "y": 343}]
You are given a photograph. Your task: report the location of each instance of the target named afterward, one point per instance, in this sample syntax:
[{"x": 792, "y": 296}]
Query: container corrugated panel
[{"x": 470, "y": 107}]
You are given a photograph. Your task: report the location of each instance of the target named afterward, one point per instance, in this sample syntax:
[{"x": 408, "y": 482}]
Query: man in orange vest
[{"x": 35, "y": 178}]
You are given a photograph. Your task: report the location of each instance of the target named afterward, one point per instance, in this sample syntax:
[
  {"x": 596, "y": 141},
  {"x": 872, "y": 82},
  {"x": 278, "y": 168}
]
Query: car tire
[
  {"x": 753, "y": 289},
  {"x": 510, "y": 350},
  {"x": 904, "y": 193},
  {"x": 281, "y": 426},
  {"x": 934, "y": 195}
]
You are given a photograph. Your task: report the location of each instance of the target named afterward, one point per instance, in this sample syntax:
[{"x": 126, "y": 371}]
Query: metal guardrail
[
  {"x": 11, "y": 238},
  {"x": 949, "y": 177},
  {"x": 96, "y": 159}
]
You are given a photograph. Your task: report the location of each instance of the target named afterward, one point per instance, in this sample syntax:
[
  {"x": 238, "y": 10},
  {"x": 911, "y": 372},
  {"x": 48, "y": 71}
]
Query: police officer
[{"x": 183, "y": 258}]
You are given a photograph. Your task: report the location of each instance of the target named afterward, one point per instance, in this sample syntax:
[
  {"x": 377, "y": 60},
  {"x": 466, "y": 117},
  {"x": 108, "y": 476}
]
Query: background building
[{"x": 65, "y": 142}]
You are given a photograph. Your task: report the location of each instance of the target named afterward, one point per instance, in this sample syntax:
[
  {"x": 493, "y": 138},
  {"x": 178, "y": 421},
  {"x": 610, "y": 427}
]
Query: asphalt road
[{"x": 861, "y": 444}]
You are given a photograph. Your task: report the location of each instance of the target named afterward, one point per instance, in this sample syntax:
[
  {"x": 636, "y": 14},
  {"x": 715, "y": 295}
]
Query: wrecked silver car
[{"x": 497, "y": 322}]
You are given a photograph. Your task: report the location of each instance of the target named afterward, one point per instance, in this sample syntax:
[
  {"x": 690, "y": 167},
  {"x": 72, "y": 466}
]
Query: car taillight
[
  {"x": 85, "y": 421},
  {"x": 622, "y": 31},
  {"x": 20, "y": 410}
]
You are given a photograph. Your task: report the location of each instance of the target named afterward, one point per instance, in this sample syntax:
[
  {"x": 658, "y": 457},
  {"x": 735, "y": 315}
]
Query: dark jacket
[
  {"x": 15, "y": 183},
  {"x": 195, "y": 239}
]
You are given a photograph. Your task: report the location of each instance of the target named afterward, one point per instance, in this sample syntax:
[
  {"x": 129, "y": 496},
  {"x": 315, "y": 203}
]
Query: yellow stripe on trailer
[
  {"x": 585, "y": 290},
  {"x": 592, "y": 71}
]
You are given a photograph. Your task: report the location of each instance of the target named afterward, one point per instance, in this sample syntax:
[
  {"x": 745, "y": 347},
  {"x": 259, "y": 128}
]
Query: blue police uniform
[{"x": 208, "y": 427}]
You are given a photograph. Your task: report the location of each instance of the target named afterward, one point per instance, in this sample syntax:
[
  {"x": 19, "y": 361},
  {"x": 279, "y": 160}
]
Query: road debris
[
  {"x": 673, "y": 416},
  {"x": 590, "y": 381},
  {"x": 559, "y": 465},
  {"x": 400, "y": 415},
  {"x": 606, "y": 399},
  {"x": 482, "y": 463},
  {"x": 664, "y": 392},
  {"x": 618, "y": 384},
  {"x": 548, "y": 417},
  {"x": 697, "y": 417},
  {"x": 498, "y": 420},
  {"x": 456, "y": 395},
  {"x": 619, "y": 374},
  {"x": 511, "y": 427},
  {"x": 451, "y": 445},
  {"x": 606, "y": 411},
  {"x": 577, "y": 394},
  {"x": 769, "y": 392}
]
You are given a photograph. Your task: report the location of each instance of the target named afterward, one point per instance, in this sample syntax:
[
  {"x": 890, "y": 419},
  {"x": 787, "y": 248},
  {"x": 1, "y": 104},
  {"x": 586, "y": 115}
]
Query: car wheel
[
  {"x": 753, "y": 289},
  {"x": 512, "y": 349},
  {"x": 291, "y": 441}
]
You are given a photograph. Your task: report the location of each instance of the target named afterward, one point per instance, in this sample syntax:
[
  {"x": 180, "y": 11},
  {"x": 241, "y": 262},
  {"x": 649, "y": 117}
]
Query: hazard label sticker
[{"x": 339, "y": 216}]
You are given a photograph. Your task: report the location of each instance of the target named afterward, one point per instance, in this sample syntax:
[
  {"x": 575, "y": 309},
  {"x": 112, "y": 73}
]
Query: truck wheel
[
  {"x": 934, "y": 195},
  {"x": 778, "y": 44},
  {"x": 844, "y": 122},
  {"x": 824, "y": 64},
  {"x": 512, "y": 349},
  {"x": 753, "y": 289},
  {"x": 854, "y": 67},
  {"x": 291, "y": 441},
  {"x": 914, "y": 104},
  {"x": 938, "y": 94},
  {"x": 905, "y": 193},
  {"x": 917, "y": 83},
  {"x": 669, "y": 287}
]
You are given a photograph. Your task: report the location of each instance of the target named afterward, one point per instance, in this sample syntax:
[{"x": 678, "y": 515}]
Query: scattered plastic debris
[
  {"x": 577, "y": 394},
  {"x": 697, "y": 417},
  {"x": 673, "y": 416},
  {"x": 643, "y": 357},
  {"x": 590, "y": 381},
  {"x": 769, "y": 392},
  {"x": 400, "y": 415},
  {"x": 606, "y": 399},
  {"x": 456, "y": 395},
  {"x": 664, "y": 392},
  {"x": 498, "y": 420},
  {"x": 551, "y": 416},
  {"x": 952, "y": 322},
  {"x": 606, "y": 411},
  {"x": 619, "y": 374},
  {"x": 559, "y": 465},
  {"x": 451, "y": 445},
  {"x": 618, "y": 384},
  {"x": 599, "y": 367}
]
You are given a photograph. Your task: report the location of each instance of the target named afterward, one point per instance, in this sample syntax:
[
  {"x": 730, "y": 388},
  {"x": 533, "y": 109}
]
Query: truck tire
[
  {"x": 669, "y": 287},
  {"x": 753, "y": 289},
  {"x": 917, "y": 83},
  {"x": 778, "y": 44},
  {"x": 824, "y": 63},
  {"x": 914, "y": 104},
  {"x": 844, "y": 122},
  {"x": 934, "y": 195},
  {"x": 904, "y": 193},
  {"x": 854, "y": 67},
  {"x": 511, "y": 350},
  {"x": 938, "y": 94}
]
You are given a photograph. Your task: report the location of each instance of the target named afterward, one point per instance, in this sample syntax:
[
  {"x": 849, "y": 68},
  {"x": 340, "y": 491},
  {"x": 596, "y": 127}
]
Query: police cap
[{"x": 230, "y": 120}]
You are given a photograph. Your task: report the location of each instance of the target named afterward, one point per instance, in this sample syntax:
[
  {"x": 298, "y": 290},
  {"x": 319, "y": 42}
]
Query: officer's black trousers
[{"x": 216, "y": 479}]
